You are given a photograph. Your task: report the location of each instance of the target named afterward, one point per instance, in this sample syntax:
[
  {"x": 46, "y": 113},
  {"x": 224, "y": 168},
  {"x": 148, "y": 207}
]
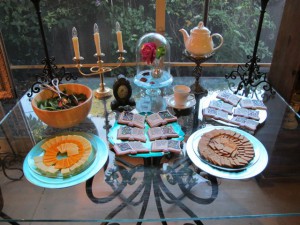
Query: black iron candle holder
[
  {"x": 249, "y": 74},
  {"x": 50, "y": 70},
  {"x": 197, "y": 72}
]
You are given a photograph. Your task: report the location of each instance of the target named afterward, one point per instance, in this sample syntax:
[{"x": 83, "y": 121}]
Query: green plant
[
  {"x": 239, "y": 29},
  {"x": 225, "y": 17},
  {"x": 19, "y": 28},
  {"x": 135, "y": 22},
  {"x": 137, "y": 17}
]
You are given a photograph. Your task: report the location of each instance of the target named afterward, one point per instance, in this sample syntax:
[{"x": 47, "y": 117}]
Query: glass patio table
[{"x": 166, "y": 188}]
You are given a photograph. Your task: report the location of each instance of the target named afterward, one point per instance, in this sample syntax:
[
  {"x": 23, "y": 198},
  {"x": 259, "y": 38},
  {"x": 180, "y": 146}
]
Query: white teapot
[{"x": 199, "y": 43}]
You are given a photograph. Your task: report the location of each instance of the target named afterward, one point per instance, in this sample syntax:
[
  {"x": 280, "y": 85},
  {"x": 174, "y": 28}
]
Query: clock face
[{"x": 123, "y": 92}]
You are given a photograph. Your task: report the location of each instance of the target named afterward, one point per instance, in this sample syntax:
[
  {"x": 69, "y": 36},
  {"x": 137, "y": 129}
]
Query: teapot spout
[{"x": 185, "y": 35}]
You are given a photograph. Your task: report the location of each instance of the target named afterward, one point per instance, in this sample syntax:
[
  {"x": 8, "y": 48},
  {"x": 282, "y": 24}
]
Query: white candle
[
  {"x": 97, "y": 39},
  {"x": 75, "y": 43},
  {"x": 119, "y": 37}
]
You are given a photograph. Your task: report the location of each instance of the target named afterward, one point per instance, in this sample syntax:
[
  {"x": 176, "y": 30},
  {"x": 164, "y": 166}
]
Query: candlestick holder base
[
  {"x": 250, "y": 78},
  {"x": 103, "y": 92},
  {"x": 196, "y": 88}
]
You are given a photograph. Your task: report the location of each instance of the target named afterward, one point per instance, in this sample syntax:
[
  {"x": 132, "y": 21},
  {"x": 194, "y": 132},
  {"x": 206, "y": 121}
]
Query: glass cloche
[{"x": 153, "y": 63}]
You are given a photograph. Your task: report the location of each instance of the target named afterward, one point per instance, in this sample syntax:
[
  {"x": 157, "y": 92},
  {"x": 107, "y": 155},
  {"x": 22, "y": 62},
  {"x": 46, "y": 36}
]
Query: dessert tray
[
  {"x": 145, "y": 80},
  {"x": 112, "y": 138},
  {"x": 205, "y": 101},
  {"x": 95, "y": 162},
  {"x": 255, "y": 166}
]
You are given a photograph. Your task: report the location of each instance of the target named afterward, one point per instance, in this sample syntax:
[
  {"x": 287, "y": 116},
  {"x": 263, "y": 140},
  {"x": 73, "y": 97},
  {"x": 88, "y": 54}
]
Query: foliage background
[{"x": 236, "y": 20}]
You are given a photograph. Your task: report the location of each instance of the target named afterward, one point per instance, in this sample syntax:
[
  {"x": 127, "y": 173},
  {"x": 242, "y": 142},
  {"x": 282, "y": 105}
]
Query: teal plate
[
  {"x": 100, "y": 155},
  {"x": 40, "y": 152},
  {"x": 112, "y": 138}
]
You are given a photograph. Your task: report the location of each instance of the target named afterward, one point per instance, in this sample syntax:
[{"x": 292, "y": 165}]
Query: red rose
[{"x": 148, "y": 51}]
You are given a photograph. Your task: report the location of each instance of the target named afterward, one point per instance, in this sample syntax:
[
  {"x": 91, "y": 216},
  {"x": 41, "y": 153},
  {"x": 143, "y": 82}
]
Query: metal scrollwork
[
  {"x": 250, "y": 78},
  {"x": 180, "y": 173},
  {"x": 249, "y": 74},
  {"x": 50, "y": 70},
  {"x": 10, "y": 162}
]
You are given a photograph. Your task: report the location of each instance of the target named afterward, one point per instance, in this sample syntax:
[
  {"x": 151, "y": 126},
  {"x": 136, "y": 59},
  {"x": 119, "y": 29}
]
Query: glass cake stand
[{"x": 145, "y": 80}]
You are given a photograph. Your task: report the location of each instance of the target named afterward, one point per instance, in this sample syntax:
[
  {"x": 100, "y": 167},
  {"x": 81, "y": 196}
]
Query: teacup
[{"x": 182, "y": 94}]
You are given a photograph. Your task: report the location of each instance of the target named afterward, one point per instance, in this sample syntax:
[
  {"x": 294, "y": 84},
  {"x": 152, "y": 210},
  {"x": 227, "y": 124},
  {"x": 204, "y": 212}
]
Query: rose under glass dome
[{"x": 153, "y": 63}]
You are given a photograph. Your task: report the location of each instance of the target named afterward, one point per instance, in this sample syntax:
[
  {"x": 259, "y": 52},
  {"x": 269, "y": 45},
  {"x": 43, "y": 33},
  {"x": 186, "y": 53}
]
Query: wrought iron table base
[
  {"x": 152, "y": 178},
  {"x": 2, "y": 214}
]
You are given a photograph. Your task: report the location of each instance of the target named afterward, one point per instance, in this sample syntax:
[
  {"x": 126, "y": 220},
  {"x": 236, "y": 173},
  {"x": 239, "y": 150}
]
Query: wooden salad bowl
[{"x": 67, "y": 117}]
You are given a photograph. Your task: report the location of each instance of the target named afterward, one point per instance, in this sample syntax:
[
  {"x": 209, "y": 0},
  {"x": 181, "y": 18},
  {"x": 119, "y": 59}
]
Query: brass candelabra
[{"x": 100, "y": 69}]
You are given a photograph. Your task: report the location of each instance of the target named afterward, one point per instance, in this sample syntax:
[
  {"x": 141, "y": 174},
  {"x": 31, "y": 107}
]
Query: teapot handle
[{"x": 221, "y": 40}]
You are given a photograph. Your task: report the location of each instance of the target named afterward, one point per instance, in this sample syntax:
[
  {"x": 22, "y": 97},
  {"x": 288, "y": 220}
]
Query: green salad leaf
[{"x": 65, "y": 102}]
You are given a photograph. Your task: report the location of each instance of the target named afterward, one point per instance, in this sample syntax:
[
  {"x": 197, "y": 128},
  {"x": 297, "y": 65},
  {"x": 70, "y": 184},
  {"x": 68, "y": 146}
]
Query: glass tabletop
[{"x": 166, "y": 189}]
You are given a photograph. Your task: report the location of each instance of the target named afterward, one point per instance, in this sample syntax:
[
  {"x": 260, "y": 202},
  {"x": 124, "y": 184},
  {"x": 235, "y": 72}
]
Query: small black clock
[{"x": 122, "y": 92}]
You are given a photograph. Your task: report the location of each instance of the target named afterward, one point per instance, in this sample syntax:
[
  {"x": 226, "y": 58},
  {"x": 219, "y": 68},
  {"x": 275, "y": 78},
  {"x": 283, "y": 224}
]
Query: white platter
[
  {"x": 204, "y": 103},
  {"x": 196, "y": 139},
  {"x": 253, "y": 169}
]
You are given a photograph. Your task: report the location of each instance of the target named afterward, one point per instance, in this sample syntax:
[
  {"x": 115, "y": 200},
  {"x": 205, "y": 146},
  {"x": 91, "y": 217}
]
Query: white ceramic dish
[
  {"x": 171, "y": 102},
  {"x": 204, "y": 103},
  {"x": 251, "y": 170},
  {"x": 196, "y": 139}
]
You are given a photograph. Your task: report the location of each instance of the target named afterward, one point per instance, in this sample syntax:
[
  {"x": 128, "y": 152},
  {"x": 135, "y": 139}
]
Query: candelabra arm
[
  {"x": 94, "y": 70},
  {"x": 99, "y": 69}
]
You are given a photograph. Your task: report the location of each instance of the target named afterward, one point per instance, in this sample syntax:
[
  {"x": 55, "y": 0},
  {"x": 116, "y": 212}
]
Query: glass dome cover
[{"x": 153, "y": 62}]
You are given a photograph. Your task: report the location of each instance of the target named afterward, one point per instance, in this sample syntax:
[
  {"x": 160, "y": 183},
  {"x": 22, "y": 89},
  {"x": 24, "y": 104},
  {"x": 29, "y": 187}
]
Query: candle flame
[
  {"x": 74, "y": 32},
  {"x": 96, "y": 29},
  {"x": 118, "y": 27}
]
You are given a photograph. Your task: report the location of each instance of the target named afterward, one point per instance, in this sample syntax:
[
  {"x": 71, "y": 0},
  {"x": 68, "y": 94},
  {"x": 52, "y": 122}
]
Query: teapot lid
[{"x": 200, "y": 29}]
